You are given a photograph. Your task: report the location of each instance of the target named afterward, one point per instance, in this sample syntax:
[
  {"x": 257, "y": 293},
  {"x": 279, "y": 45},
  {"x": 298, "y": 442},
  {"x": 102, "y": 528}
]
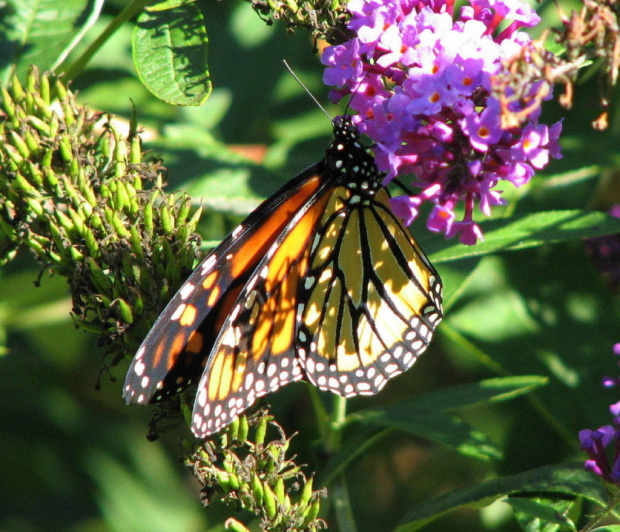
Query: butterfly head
[{"x": 345, "y": 129}]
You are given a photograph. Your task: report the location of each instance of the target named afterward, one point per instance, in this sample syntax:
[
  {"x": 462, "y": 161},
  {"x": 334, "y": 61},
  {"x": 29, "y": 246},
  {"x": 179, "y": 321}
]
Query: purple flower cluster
[
  {"x": 596, "y": 442},
  {"x": 609, "y": 382},
  {"x": 421, "y": 83}
]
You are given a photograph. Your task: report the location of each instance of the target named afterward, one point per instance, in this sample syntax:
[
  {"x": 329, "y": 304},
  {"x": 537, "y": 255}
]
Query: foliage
[{"x": 484, "y": 427}]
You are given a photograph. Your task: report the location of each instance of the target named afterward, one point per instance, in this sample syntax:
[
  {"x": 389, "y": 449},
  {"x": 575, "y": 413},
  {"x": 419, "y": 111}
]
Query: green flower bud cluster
[
  {"x": 78, "y": 194},
  {"x": 255, "y": 474},
  {"x": 325, "y": 20}
]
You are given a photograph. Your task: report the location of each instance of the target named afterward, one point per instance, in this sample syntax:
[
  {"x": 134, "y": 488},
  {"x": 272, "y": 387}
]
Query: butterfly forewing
[
  {"x": 254, "y": 353},
  {"x": 176, "y": 349}
]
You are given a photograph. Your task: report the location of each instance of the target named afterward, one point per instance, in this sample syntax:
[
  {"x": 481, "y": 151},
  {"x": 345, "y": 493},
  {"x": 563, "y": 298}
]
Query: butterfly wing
[
  {"x": 176, "y": 348},
  {"x": 255, "y": 352},
  {"x": 371, "y": 299}
]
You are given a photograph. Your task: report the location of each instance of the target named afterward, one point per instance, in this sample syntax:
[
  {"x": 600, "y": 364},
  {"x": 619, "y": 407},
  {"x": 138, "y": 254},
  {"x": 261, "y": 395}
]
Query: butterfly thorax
[{"x": 348, "y": 160}]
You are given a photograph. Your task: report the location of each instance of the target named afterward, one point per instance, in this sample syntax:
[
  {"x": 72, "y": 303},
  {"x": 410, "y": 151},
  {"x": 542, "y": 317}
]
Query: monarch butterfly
[{"x": 321, "y": 282}]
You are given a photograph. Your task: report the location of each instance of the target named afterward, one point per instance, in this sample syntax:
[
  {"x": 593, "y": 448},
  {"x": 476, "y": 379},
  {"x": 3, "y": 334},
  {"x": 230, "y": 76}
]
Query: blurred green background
[{"x": 74, "y": 458}]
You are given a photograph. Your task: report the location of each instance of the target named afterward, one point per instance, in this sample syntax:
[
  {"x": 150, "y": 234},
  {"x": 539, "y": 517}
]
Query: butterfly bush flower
[
  {"x": 420, "y": 77},
  {"x": 595, "y": 443},
  {"x": 602, "y": 462},
  {"x": 610, "y": 382}
]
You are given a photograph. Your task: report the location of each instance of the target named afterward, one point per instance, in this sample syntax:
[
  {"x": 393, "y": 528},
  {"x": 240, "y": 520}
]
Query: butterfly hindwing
[{"x": 373, "y": 300}]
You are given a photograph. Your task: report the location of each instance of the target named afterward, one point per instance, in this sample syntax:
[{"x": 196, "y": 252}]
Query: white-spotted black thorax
[{"x": 348, "y": 160}]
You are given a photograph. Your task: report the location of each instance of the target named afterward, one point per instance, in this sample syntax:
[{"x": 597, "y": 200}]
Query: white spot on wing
[
  {"x": 237, "y": 231},
  {"x": 186, "y": 290},
  {"x": 139, "y": 368},
  {"x": 177, "y": 313},
  {"x": 208, "y": 264}
]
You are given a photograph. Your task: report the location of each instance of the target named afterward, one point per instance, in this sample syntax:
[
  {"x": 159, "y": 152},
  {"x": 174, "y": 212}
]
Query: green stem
[
  {"x": 125, "y": 15},
  {"x": 339, "y": 490},
  {"x": 342, "y": 505},
  {"x": 600, "y": 515},
  {"x": 336, "y": 424}
]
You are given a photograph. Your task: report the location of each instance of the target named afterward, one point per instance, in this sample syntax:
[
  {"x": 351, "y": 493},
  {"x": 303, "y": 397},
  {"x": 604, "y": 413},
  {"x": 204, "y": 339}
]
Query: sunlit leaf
[
  {"x": 566, "y": 479},
  {"x": 532, "y": 230},
  {"x": 27, "y": 37},
  {"x": 170, "y": 54}
]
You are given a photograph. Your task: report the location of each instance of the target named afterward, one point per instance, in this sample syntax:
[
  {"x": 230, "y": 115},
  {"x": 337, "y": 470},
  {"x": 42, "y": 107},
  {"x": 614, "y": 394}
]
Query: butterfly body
[{"x": 321, "y": 282}]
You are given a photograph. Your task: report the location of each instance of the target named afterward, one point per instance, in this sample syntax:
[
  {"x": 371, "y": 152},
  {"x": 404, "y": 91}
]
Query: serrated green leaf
[
  {"x": 28, "y": 37},
  {"x": 532, "y": 230},
  {"x": 566, "y": 479},
  {"x": 170, "y": 54}
]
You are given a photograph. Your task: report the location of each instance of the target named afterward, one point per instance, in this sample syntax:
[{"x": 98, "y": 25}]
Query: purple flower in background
[
  {"x": 420, "y": 77},
  {"x": 596, "y": 442},
  {"x": 610, "y": 382}
]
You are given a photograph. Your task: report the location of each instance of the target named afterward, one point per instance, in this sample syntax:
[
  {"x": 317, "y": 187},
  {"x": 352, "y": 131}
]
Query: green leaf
[
  {"x": 28, "y": 37},
  {"x": 532, "y": 230},
  {"x": 424, "y": 417},
  {"x": 486, "y": 391},
  {"x": 249, "y": 30},
  {"x": 565, "y": 480},
  {"x": 218, "y": 177},
  {"x": 358, "y": 441},
  {"x": 434, "y": 426},
  {"x": 446, "y": 399},
  {"x": 170, "y": 54},
  {"x": 544, "y": 514},
  {"x": 169, "y": 4},
  {"x": 131, "y": 495}
]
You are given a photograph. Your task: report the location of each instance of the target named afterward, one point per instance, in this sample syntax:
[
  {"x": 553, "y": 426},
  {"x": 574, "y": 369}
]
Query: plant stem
[
  {"x": 336, "y": 424},
  {"x": 342, "y": 505},
  {"x": 339, "y": 491},
  {"x": 76, "y": 68}
]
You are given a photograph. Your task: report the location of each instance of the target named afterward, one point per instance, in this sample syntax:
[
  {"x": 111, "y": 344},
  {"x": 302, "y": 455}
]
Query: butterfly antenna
[{"x": 306, "y": 89}]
